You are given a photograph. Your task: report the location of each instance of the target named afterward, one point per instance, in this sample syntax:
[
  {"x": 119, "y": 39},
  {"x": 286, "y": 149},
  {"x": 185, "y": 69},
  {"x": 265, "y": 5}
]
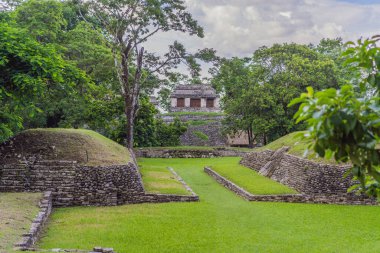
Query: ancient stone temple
[{"x": 194, "y": 98}]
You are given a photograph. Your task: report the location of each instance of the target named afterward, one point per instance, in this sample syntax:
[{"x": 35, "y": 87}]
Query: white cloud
[
  {"x": 287, "y": 14},
  {"x": 239, "y": 27}
]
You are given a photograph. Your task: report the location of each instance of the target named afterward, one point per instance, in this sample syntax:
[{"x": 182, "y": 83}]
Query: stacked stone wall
[
  {"x": 341, "y": 198},
  {"x": 213, "y": 131},
  {"x": 76, "y": 185},
  {"x": 211, "y": 126},
  {"x": 72, "y": 184},
  {"x": 301, "y": 174},
  {"x": 172, "y": 153}
]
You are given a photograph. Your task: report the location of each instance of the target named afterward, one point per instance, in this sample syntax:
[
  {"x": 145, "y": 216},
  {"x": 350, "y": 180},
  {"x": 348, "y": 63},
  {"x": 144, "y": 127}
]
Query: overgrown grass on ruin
[
  {"x": 85, "y": 146},
  {"x": 298, "y": 145},
  {"x": 220, "y": 222},
  {"x": 158, "y": 179},
  {"x": 17, "y": 210},
  {"x": 250, "y": 180}
]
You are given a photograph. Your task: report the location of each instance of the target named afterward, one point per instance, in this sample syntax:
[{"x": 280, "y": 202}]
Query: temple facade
[{"x": 194, "y": 98}]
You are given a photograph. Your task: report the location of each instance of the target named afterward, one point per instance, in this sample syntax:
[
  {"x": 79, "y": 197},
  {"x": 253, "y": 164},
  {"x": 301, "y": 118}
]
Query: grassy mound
[
  {"x": 85, "y": 146},
  {"x": 293, "y": 140},
  {"x": 297, "y": 145}
]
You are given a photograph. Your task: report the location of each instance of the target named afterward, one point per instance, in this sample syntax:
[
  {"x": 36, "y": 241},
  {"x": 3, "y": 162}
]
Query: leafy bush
[{"x": 168, "y": 134}]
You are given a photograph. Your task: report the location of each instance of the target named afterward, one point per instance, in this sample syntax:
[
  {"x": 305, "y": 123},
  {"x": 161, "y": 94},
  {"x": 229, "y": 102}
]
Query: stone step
[
  {"x": 8, "y": 188},
  {"x": 60, "y": 166},
  {"x": 55, "y": 162}
]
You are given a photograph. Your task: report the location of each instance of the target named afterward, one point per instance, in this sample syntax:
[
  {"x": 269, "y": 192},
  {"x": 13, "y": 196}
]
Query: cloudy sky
[{"x": 238, "y": 27}]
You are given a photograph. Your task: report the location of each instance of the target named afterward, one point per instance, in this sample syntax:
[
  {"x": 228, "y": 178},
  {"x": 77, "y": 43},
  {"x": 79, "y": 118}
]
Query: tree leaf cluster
[
  {"x": 257, "y": 90},
  {"x": 345, "y": 122}
]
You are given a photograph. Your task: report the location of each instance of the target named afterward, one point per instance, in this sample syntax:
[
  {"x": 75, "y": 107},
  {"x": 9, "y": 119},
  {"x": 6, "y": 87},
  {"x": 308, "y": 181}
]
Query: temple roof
[{"x": 198, "y": 91}]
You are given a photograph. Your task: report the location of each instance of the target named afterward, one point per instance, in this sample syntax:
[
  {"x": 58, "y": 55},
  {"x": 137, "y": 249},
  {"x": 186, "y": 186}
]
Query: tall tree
[
  {"x": 128, "y": 24},
  {"x": 345, "y": 122},
  {"x": 258, "y": 90},
  {"x": 28, "y": 72}
]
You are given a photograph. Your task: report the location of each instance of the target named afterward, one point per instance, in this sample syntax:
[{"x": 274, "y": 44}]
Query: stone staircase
[
  {"x": 270, "y": 167},
  {"x": 54, "y": 175},
  {"x": 14, "y": 177}
]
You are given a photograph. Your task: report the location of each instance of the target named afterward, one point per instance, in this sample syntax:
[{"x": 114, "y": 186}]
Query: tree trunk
[
  {"x": 130, "y": 125},
  {"x": 250, "y": 138},
  {"x": 131, "y": 93}
]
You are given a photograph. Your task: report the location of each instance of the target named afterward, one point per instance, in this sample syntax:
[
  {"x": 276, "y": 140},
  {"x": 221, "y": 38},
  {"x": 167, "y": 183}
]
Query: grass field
[
  {"x": 220, "y": 222},
  {"x": 17, "y": 210},
  {"x": 158, "y": 179},
  {"x": 248, "y": 179}
]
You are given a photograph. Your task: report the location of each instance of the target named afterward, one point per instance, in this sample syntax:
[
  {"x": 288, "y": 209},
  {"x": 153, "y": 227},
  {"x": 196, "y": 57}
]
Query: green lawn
[
  {"x": 158, "y": 179},
  {"x": 249, "y": 179},
  {"x": 220, "y": 222},
  {"x": 17, "y": 210}
]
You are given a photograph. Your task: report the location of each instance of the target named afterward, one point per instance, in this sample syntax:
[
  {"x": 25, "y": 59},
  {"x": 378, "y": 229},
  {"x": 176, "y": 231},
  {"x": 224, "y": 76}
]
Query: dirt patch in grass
[
  {"x": 85, "y": 146},
  {"x": 17, "y": 211}
]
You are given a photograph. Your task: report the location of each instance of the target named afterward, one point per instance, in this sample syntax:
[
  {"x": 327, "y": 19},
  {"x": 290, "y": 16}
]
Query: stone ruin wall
[
  {"x": 301, "y": 174},
  {"x": 213, "y": 130},
  {"x": 172, "y": 153},
  {"x": 212, "y": 127},
  {"x": 72, "y": 184}
]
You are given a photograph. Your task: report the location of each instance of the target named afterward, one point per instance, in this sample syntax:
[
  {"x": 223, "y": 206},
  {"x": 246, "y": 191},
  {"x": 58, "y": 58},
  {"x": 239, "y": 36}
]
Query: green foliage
[
  {"x": 201, "y": 135},
  {"x": 145, "y": 134},
  {"x": 258, "y": 90},
  {"x": 345, "y": 123},
  {"x": 43, "y": 20},
  {"x": 168, "y": 134},
  {"x": 29, "y": 72}
]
